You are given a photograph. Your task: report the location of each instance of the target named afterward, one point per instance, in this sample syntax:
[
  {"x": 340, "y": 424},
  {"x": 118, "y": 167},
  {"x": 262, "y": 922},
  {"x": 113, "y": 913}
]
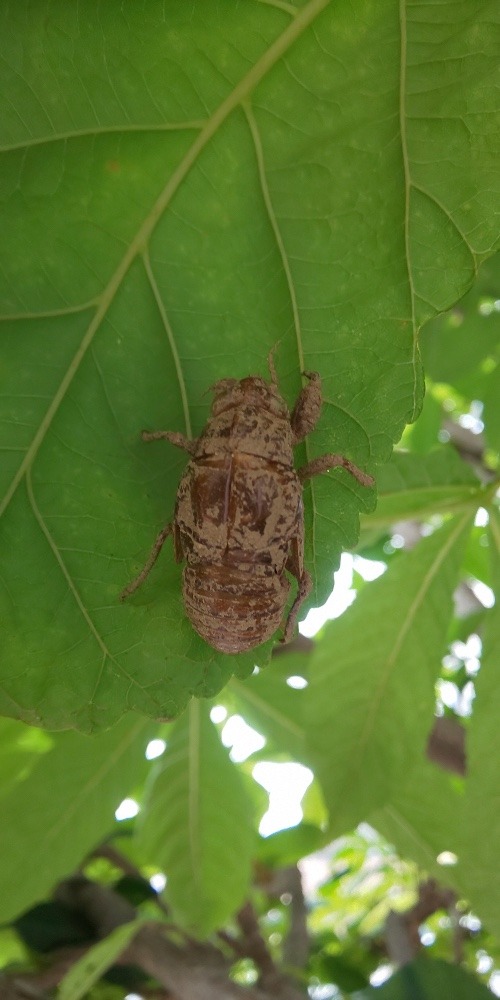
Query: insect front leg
[
  {"x": 270, "y": 363},
  {"x": 153, "y": 556},
  {"x": 326, "y": 462},
  {"x": 179, "y": 440},
  {"x": 305, "y": 414},
  {"x": 295, "y": 566}
]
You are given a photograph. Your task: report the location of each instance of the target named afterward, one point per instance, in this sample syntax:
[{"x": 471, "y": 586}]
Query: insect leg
[
  {"x": 179, "y": 440},
  {"x": 305, "y": 414},
  {"x": 153, "y": 556},
  {"x": 270, "y": 363},
  {"x": 326, "y": 462},
  {"x": 295, "y": 566},
  {"x": 305, "y": 585}
]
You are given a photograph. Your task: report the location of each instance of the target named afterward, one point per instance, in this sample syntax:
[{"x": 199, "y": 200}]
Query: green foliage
[
  {"x": 410, "y": 486},
  {"x": 60, "y": 803},
  {"x": 379, "y": 661},
  {"x": 52, "y": 925},
  {"x": 97, "y": 960},
  {"x": 275, "y": 709},
  {"x": 456, "y": 344},
  {"x": 480, "y": 820},
  {"x": 198, "y": 823},
  {"x": 167, "y": 191},
  {"x": 428, "y": 980},
  {"x": 287, "y": 847},
  {"x": 184, "y": 186},
  {"x": 423, "y": 819}
]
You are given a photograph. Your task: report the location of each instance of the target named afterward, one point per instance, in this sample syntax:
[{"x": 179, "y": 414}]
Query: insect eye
[
  {"x": 222, "y": 386},
  {"x": 253, "y": 382}
]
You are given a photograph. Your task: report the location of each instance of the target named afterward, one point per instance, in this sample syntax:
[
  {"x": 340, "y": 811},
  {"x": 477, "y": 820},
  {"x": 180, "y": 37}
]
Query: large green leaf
[
  {"x": 423, "y": 435},
  {"x": 97, "y": 960},
  {"x": 289, "y": 846},
  {"x": 61, "y": 804},
  {"x": 462, "y": 347},
  {"x": 491, "y": 411},
  {"x": 431, "y": 813},
  {"x": 198, "y": 825},
  {"x": 454, "y": 344},
  {"x": 480, "y": 829},
  {"x": 183, "y": 186},
  {"x": 428, "y": 979},
  {"x": 273, "y": 708},
  {"x": 416, "y": 486},
  {"x": 371, "y": 679},
  {"x": 423, "y": 819}
]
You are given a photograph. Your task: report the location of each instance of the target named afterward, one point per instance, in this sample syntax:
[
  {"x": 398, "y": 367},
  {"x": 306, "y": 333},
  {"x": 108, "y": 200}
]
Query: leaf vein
[
  {"x": 187, "y": 125},
  {"x": 71, "y": 585}
]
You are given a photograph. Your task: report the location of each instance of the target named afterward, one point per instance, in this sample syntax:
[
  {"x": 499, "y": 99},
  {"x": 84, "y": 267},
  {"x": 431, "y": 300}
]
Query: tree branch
[
  {"x": 446, "y": 745},
  {"x": 402, "y": 929},
  {"x": 190, "y": 970}
]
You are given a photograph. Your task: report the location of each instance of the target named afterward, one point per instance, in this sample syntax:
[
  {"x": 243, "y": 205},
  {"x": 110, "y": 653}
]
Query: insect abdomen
[{"x": 234, "y": 607}]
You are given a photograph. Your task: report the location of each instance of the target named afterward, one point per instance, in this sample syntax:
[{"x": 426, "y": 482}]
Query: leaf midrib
[{"x": 82, "y": 133}]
